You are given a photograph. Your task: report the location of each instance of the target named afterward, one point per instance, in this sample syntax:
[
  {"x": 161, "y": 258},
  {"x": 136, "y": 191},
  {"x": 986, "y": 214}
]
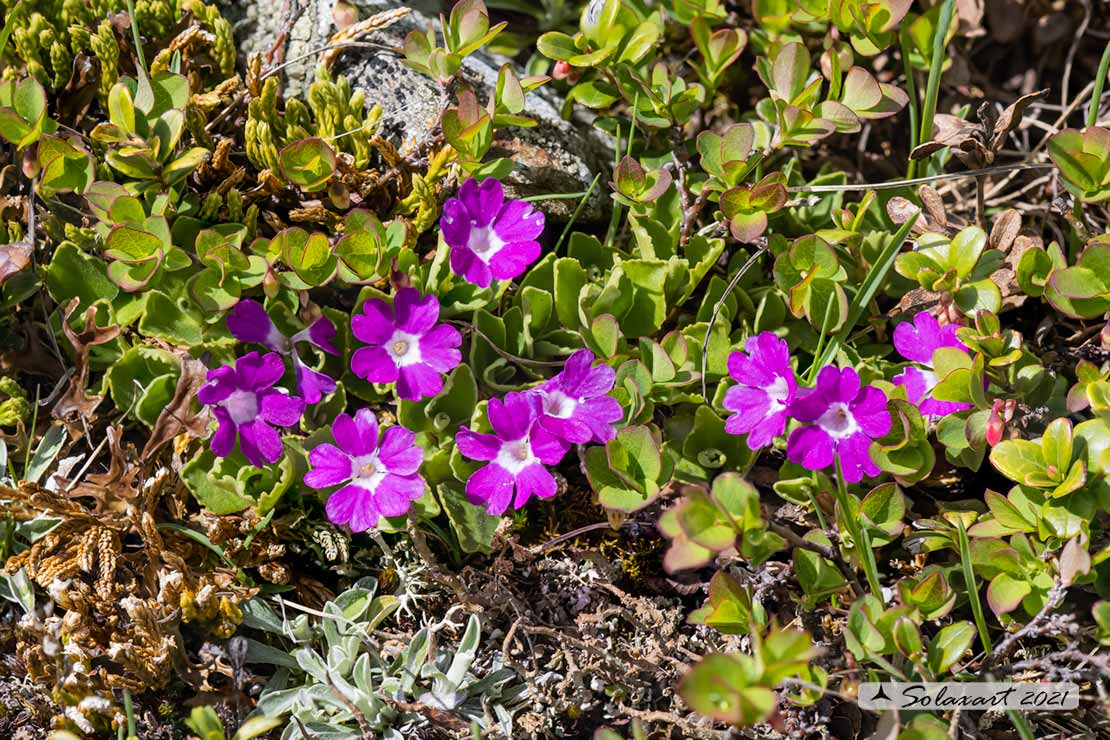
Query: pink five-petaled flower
[
  {"x": 765, "y": 388},
  {"x": 406, "y": 344},
  {"x": 248, "y": 322},
  {"x": 841, "y": 419},
  {"x": 377, "y": 480},
  {"x": 489, "y": 237},
  {"x": 917, "y": 342},
  {"x": 517, "y": 451},
  {"x": 245, "y": 402},
  {"x": 574, "y": 405}
]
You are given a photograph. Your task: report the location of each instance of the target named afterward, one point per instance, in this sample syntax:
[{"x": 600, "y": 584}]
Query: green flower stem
[
  {"x": 1096, "y": 92},
  {"x": 135, "y": 34},
  {"x": 915, "y": 107},
  {"x": 932, "y": 90},
  {"x": 860, "y": 540}
]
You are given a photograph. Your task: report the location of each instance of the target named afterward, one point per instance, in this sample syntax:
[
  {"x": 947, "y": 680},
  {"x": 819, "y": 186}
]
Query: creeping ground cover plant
[{"x": 601, "y": 369}]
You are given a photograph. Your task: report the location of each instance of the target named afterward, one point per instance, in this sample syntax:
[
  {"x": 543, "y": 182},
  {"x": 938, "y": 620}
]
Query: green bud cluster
[{"x": 331, "y": 111}]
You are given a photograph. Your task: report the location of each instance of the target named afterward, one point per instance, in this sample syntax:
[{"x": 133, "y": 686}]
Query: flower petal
[
  {"x": 312, "y": 385},
  {"x": 399, "y": 453},
  {"x": 811, "y": 447},
  {"x": 492, "y": 486},
  {"x": 534, "y": 480},
  {"x": 546, "y": 446},
  {"x": 223, "y": 441},
  {"x": 364, "y": 514},
  {"x": 483, "y": 201},
  {"x": 467, "y": 265},
  {"x": 513, "y": 259},
  {"x": 374, "y": 364},
  {"x": 518, "y": 222},
  {"x": 417, "y": 382},
  {"x": 260, "y": 443},
  {"x": 855, "y": 457},
  {"x": 395, "y": 494},
  {"x": 512, "y": 416},
  {"x": 454, "y": 224},
  {"x": 248, "y": 322},
  {"x": 341, "y": 504},
  {"x": 415, "y": 314},
  {"x": 438, "y": 348},
  {"x": 356, "y": 436},
  {"x": 222, "y": 382},
  {"x": 280, "y": 409},
  {"x": 374, "y": 323},
  {"x": 477, "y": 446},
  {"x": 330, "y": 467},
  {"x": 258, "y": 373},
  {"x": 321, "y": 334}
]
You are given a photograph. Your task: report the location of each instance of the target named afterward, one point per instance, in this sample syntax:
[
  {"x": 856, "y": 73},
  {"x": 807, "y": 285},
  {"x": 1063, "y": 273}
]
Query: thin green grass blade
[
  {"x": 915, "y": 108},
  {"x": 972, "y": 587},
  {"x": 1096, "y": 91},
  {"x": 867, "y": 290},
  {"x": 1021, "y": 724},
  {"x": 9, "y": 26},
  {"x": 932, "y": 90}
]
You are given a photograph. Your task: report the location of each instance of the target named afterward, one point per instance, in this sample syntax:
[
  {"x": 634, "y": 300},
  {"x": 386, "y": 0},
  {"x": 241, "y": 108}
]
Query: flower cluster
[
  {"x": 839, "y": 417},
  {"x": 534, "y": 429},
  {"x": 243, "y": 396}
]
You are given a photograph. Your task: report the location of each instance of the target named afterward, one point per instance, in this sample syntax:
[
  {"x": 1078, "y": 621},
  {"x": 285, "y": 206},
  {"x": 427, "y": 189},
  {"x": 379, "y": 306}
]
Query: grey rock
[{"x": 555, "y": 156}]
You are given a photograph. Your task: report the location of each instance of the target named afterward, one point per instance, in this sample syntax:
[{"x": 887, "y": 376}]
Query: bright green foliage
[
  {"x": 48, "y": 36},
  {"x": 740, "y": 689},
  {"x": 960, "y": 267},
  {"x": 704, "y": 524},
  {"x": 332, "y": 113},
  {"x": 1084, "y": 161}
]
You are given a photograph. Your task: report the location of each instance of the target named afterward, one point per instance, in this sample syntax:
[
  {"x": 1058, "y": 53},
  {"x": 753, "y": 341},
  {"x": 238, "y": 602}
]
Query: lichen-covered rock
[{"x": 556, "y": 156}]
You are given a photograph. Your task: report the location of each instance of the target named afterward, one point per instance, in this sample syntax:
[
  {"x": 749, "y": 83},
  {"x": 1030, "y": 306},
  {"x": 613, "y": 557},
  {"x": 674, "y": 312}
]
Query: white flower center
[
  {"x": 838, "y": 421},
  {"x": 484, "y": 241},
  {"x": 515, "y": 455},
  {"x": 930, "y": 379},
  {"x": 778, "y": 391},
  {"x": 242, "y": 406},
  {"x": 558, "y": 404},
  {"x": 367, "y": 472},
  {"x": 404, "y": 348}
]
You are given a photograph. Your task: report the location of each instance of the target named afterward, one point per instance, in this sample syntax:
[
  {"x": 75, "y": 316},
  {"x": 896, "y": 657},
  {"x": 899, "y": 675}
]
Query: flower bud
[
  {"x": 270, "y": 284},
  {"x": 995, "y": 425},
  {"x": 30, "y": 163},
  {"x": 565, "y": 71}
]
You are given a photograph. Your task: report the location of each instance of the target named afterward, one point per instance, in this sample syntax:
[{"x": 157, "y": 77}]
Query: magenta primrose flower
[
  {"x": 765, "y": 388},
  {"x": 406, "y": 345},
  {"x": 841, "y": 419},
  {"x": 917, "y": 342},
  {"x": 489, "y": 237},
  {"x": 517, "y": 451},
  {"x": 245, "y": 402},
  {"x": 574, "y": 406},
  {"x": 376, "y": 480},
  {"x": 248, "y": 322}
]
